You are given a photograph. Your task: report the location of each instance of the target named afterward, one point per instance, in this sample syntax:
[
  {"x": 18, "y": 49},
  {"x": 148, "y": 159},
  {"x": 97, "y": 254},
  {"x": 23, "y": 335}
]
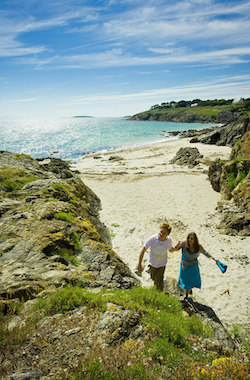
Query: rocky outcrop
[
  {"x": 241, "y": 148},
  {"x": 232, "y": 180},
  {"x": 227, "y": 135},
  {"x": 187, "y": 156},
  {"x": 214, "y": 174},
  {"x": 51, "y": 234}
]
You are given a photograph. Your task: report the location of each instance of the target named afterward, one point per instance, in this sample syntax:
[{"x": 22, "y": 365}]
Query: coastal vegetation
[
  {"x": 196, "y": 110},
  {"x": 171, "y": 344}
]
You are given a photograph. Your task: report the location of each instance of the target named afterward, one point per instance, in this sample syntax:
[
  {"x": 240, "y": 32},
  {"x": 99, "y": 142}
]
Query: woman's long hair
[{"x": 196, "y": 242}]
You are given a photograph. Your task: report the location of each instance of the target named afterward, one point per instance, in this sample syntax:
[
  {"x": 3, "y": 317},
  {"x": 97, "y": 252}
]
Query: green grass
[
  {"x": 242, "y": 335},
  {"x": 234, "y": 178},
  {"x": 65, "y": 216},
  {"x": 200, "y": 111},
  {"x": 161, "y": 313},
  {"x": 69, "y": 298},
  {"x": 231, "y": 180},
  {"x": 112, "y": 234},
  {"x": 76, "y": 240},
  {"x": 166, "y": 350},
  {"x": 13, "y": 179},
  {"x": 22, "y": 155},
  {"x": 58, "y": 186}
]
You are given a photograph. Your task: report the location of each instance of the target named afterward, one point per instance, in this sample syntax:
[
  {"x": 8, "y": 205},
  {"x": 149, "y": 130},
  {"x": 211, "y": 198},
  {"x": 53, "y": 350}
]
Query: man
[{"x": 159, "y": 245}]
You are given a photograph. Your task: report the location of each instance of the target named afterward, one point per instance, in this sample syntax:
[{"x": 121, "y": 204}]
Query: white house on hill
[{"x": 238, "y": 101}]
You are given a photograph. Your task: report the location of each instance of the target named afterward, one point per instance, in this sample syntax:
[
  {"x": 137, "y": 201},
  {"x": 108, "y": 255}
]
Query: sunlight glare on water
[{"x": 72, "y": 138}]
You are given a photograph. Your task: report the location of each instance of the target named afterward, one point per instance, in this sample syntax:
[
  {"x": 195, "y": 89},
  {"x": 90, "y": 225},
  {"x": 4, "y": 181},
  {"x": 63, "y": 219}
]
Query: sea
[{"x": 73, "y": 138}]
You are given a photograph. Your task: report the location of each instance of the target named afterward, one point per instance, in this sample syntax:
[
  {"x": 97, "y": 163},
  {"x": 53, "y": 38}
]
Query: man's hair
[{"x": 166, "y": 225}]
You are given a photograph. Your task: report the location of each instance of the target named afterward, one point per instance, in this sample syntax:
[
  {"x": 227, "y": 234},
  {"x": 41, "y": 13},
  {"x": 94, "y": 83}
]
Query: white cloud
[
  {"x": 119, "y": 58},
  {"x": 28, "y": 100},
  {"x": 215, "y": 87}
]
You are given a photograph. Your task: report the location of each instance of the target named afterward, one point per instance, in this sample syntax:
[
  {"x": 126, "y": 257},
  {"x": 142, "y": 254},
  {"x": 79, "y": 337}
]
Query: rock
[
  {"x": 233, "y": 181},
  {"x": 235, "y": 219},
  {"x": 227, "y": 134},
  {"x": 171, "y": 287},
  {"x": 187, "y": 156},
  {"x": 29, "y": 374},
  {"x": 51, "y": 234},
  {"x": 115, "y": 158},
  {"x": 241, "y": 148},
  {"x": 214, "y": 174},
  {"x": 116, "y": 325},
  {"x": 222, "y": 342}
]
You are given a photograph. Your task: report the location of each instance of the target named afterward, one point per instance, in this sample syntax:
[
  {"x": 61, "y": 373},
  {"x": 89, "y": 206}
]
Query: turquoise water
[{"x": 72, "y": 138}]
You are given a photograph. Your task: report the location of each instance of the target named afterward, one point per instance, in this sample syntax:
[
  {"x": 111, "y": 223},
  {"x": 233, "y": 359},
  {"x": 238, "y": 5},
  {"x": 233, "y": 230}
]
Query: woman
[{"x": 189, "y": 276}]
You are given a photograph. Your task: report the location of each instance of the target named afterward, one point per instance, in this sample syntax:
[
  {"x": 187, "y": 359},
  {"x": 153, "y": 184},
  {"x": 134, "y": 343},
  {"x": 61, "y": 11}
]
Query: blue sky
[{"x": 120, "y": 57}]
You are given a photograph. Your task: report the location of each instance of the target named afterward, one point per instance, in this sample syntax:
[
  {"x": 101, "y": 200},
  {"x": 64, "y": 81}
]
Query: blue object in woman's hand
[{"x": 223, "y": 267}]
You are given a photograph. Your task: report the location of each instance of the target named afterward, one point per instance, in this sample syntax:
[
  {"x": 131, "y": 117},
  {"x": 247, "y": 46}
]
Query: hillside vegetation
[{"x": 207, "y": 111}]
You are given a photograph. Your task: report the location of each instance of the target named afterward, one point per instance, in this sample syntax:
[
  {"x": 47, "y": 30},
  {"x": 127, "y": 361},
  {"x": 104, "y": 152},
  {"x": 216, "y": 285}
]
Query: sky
[{"x": 115, "y": 58}]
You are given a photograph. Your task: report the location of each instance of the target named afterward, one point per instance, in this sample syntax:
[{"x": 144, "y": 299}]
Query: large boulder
[
  {"x": 187, "y": 156},
  {"x": 214, "y": 174}
]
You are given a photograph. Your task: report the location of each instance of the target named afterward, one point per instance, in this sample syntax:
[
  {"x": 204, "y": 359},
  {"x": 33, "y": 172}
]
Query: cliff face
[
  {"x": 232, "y": 180},
  {"x": 51, "y": 234}
]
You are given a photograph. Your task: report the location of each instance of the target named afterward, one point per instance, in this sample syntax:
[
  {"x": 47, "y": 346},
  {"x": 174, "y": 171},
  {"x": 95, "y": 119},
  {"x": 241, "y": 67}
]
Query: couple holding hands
[{"x": 159, "y": 245}]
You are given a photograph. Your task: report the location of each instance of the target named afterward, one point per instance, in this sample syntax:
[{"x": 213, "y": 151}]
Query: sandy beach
[{"x": 140, "y": 188}]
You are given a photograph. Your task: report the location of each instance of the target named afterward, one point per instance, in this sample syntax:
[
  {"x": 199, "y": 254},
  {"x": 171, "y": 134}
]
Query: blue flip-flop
[{"x": 223, "y": 267}]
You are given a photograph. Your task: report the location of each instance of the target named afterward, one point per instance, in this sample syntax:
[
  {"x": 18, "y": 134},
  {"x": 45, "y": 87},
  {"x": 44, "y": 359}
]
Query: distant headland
[
  {"x": 196, "y": 111},
  {"x": 75, "y": 117}
]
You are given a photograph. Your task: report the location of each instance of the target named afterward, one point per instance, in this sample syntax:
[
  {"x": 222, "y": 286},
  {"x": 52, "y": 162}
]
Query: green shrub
[
  {"x": 242, "y": 335},
  {"x": 237, "y": 160},
  {"x": 231, "y": 180},
  {"x": 242, "y": 175},
  {"x": 22, "y": 155},
  {"x": 77, "y": 241},
  {"x": 58, "y": 186},
  {"x": 14, "y": 179},
  {"x": 65, "y": 216},
  {"x": 71, "y": 259}
]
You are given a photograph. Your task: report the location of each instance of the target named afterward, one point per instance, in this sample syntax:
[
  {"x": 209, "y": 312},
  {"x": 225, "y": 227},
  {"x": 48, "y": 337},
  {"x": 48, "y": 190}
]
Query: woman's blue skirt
[{"x": 190, "y": 277}]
